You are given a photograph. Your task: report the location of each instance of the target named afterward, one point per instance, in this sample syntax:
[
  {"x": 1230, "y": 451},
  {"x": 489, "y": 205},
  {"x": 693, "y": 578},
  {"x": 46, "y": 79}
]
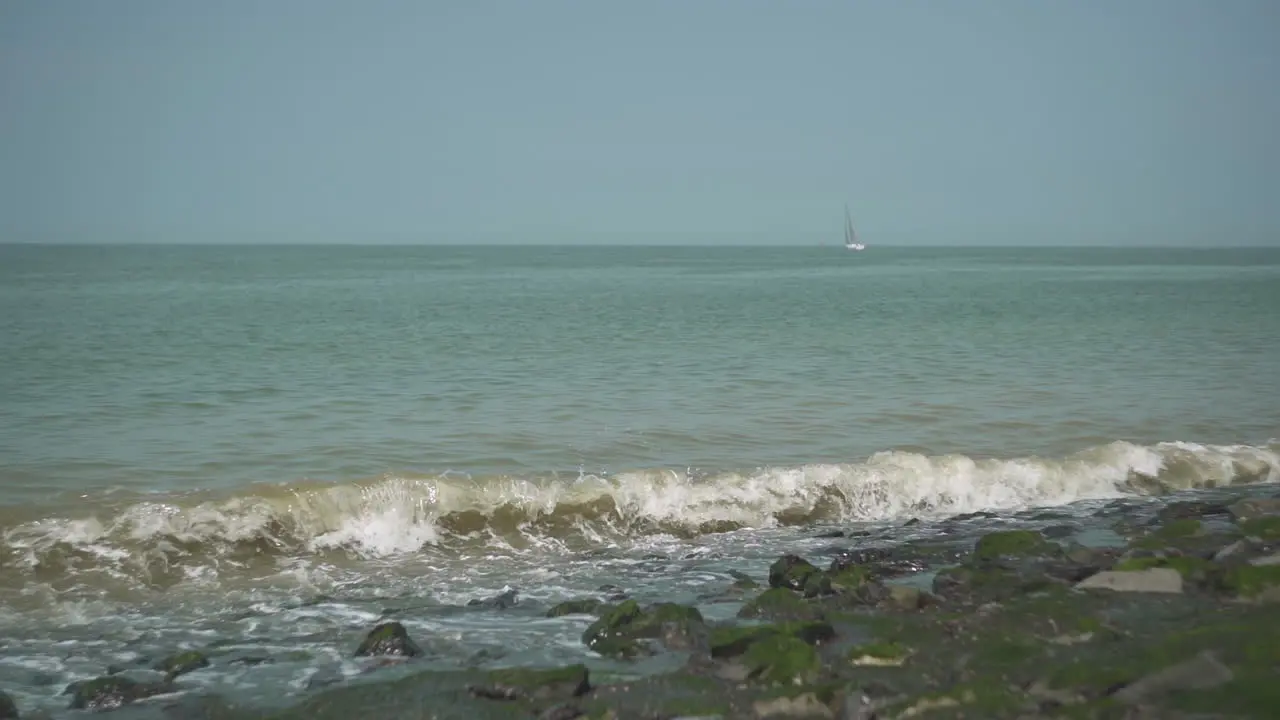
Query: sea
[{"x": 262, "y": 451}]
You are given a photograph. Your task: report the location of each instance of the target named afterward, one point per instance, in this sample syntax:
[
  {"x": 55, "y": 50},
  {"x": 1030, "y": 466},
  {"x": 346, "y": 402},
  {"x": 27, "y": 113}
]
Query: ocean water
[{"x": 264, "y": 450}]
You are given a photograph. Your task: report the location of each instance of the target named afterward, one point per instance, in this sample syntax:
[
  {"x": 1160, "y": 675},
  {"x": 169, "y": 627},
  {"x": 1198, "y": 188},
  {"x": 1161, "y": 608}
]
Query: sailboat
[{"x": 851, "y": 237}]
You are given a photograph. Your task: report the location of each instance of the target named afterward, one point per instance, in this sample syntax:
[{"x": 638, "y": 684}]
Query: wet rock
[
  {"x": 781, "y": 659},
  {"x": 728, "y": 642},
  {"x": 1201, "y": 672},
  {"x": 619, "y": 630},
  {"x": 612, "y": 593},
  {"x": 979, "y": 515},
  {"x": 804, "y": 705},
  {"x": 792, "y": 572},
  {"x": 779, "y": 604},
  {"x": 111, "y": 691},
  {"x": 563, "y": 711},
  {"x": 1265, "y": 529},
  {"x": 1255, "y": 583},
  {"x": 558, "y": 684},
  {"x": 1189, "y": 509},
  {"x": 182, "y": 663},
  {"x": 1059, "y": 531},
  {"x": 742, "y": 580},
  {"x": 903, "y": 597},
  {"x": 1153, "y": 580},
  {"x": 581, "y": 606},
  {"x": 508, "y": 598},
  {"x": 1013, "y": 543},
  {"x": 1253, "y": 508},
  {"x": 8, "y": 710},
  {"x": 388, "y": 638}
]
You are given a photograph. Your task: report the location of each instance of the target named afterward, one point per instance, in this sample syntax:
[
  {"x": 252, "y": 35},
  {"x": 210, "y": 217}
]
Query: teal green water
[{"x": 205, "y": 437}]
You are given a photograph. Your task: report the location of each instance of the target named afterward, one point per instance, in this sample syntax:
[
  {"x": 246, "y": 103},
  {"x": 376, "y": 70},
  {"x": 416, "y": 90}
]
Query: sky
[{"x": 974, "y": 122}]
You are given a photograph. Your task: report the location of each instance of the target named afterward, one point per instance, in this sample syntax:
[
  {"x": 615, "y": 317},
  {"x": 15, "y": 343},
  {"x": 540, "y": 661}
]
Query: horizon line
[{"x": 830, "y": 245}]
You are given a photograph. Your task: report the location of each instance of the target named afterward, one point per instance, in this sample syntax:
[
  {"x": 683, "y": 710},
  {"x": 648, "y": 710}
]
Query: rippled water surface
[{"x": 267, "y": 449}]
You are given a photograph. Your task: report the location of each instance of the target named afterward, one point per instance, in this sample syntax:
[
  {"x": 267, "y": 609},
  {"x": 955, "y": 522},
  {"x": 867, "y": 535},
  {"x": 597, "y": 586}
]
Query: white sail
[{"x": 850, "y": 237}]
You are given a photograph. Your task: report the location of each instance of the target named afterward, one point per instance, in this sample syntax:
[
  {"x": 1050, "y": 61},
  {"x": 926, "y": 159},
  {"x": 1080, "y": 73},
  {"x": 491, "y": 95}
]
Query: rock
[
  {"x": 619, "y": 629},
  {"x": 1267, "y": 560},
  {"x": 792, "y": 572},
  {"x": 111, "y": 691},
  {"x": 509, "y": 597},
  {"x": 779, "y": 604},
  {"x": 388, "y": 638},
  {"x": 743, "y": 580},
  {"x": 581, "y": 606},
  {"x": 182, "y": 663},
  {"x": 781, "y": 659},
  {"x": 904, "y": 597},
  {"x": 8, "y": 710},
  {"x": 612, "y": 593},
  {"x": 558, "y": 684},
  {"x": 1189, "y": 509},
  {"x": 1266, "y": 529},
  {"x": 1253, "y": 508},
  {"x": 1256, "y": 583},
  {"x": 727, "y": 642},
  {"x": 1013, "y": 543},
  {"x": 563, "y": 711},
  {"x": 805, "y": 705},
  {"x": 1152, "y": 580},
  {"x": 879, "y": 655},
  {"x": 1201, "y": 672}
]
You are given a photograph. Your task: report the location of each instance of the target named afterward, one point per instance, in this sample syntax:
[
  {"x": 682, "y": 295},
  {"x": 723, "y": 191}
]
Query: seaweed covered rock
[
  {"x": 780, "y": 604},
  {"x": 795, "y": 573},
  {"x": 534, "y": 684},
  {"x": 388, "y": 638},
  {"x": 781, "y": 659},
  {"x": 620, "y": 629},
  {"x": 111, "y": 692},
  {"x": 182, "y": 663},
  {"x": 731, "y": 641},
  {"x": 1014, "y": 544}
]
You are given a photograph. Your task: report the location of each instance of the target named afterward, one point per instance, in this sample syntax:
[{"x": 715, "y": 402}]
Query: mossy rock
[
  {"x": 732, "y": 641},
  {"x": 583, "y": 606},
  {"x": 792, "y": 572},
  {"x": 618, "y": 629},
  {"x": 1193, "y": 569},
  {"x": 389, "y": 638},
  {"x": 983, "y": 584},
  {"x": 539, "y": 684},
  {"x": 781, "y": 659},
  {"x": 1263, "y": 528},
  {"x": 879, "y": 654},
  {"x": 182, "y": 663},
  {"x": 111, "y": 692},
  {"x": 779, "y": 604},
  {"x": 1252, "y": 581},
  {"x": 743, "y": 581},
  {"x": 1013, "y": 543},
  {"x": 848, "y": 577}
]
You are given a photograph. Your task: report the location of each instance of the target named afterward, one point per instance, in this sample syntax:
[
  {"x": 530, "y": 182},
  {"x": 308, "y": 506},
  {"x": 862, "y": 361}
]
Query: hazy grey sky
[{"x": 937, "y": 121}]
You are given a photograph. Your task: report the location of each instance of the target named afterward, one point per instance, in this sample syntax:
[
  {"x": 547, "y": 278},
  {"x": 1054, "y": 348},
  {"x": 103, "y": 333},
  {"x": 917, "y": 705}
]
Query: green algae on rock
[
  {"x": 532, "y": 684},
  {"x": 1013, "y": 543},
  {"x": 781, "y": 659},
  {"x": 731, "y": 641},
  {"x": 182, "y": 663},
  {"x": 582, "y": 606},
  {"x": 112, "y": 691},
  {"x": 780, "y": 604},
  {"x": 620, "y": 628},
  {"x": 389, "y": 638},
  {"x": 793, "y": 572}
]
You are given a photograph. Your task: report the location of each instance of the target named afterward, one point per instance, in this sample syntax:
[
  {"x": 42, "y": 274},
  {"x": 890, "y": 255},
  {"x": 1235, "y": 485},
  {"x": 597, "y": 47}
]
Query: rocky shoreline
[{"x": 1183, "y": 621}]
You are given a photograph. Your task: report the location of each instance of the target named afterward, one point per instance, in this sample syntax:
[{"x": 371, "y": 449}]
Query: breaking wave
[{"x": 394, "y": 515}]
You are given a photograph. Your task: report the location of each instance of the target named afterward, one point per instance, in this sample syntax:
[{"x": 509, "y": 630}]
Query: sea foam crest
[{"x": 391, "y": 515}]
